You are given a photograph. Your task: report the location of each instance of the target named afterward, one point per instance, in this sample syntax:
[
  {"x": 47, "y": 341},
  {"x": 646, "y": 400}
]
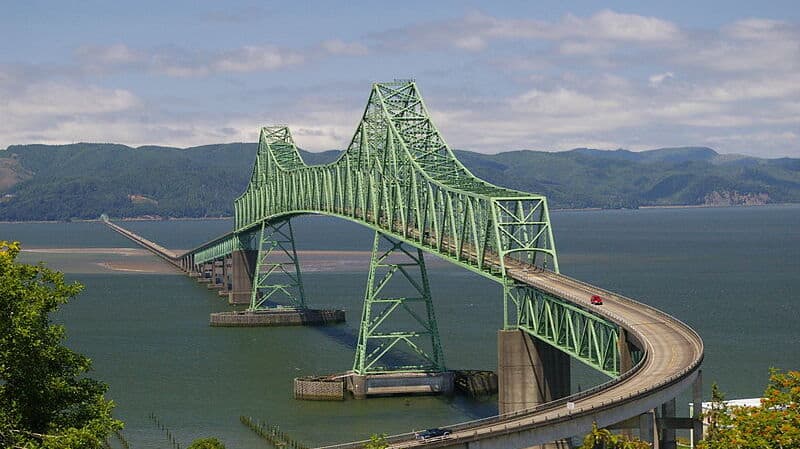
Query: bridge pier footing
[
  {"x": 647, "y": 424},
  {"x": 389, "y": 384},
  {"x": 529, "y": 372}
]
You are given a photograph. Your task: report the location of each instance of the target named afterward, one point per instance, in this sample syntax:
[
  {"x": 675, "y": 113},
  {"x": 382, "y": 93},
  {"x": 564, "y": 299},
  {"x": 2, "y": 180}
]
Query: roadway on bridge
[{"x": 673, "y": 351}]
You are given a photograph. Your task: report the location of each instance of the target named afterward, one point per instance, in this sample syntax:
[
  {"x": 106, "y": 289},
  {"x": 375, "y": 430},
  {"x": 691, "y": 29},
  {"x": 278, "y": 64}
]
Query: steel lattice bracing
[
  {"x": 568, "y": 327},
  {"x": 398, "y": 312},
  {"x": 277, "y": 280},
  {"x": 399, "y": 177}
]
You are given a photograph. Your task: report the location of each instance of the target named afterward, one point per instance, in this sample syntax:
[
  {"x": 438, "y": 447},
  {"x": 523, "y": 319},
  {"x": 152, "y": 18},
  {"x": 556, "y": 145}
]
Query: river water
[{"x": 733, "y": 274}]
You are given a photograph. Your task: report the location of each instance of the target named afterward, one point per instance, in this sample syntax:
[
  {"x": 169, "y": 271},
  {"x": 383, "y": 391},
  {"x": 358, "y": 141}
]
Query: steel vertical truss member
[
  {"x": 411, "y": 319},
  {"x": 277, "y": 281}
]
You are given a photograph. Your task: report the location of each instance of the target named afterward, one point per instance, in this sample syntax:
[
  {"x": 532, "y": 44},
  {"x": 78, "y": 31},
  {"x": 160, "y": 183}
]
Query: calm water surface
[{"x": 733, "y": 274}]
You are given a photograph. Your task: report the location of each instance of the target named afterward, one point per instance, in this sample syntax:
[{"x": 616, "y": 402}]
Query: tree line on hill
[{"x": 84, "y": 180}]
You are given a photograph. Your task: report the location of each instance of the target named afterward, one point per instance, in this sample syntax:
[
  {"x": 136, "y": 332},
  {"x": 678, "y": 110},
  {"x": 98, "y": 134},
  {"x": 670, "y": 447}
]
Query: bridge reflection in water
[{"x": 399, "y": 178}]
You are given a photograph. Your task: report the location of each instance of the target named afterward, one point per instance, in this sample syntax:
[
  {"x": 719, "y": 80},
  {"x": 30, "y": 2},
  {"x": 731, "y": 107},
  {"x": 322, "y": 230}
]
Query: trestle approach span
[{"x": 400, "y": 178}]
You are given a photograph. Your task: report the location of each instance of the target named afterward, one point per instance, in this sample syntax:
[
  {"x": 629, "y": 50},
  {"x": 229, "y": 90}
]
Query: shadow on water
[{"x": 348, "y": 337}]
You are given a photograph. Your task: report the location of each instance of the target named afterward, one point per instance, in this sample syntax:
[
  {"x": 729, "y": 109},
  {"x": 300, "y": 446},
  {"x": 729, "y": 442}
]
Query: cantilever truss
[
  {"x": 400, "y": 178},
  {"x": 415, "y": 331}
]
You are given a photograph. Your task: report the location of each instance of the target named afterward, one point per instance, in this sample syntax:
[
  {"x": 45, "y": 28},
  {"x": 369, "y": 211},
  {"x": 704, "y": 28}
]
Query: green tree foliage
[
  {"x": 45, "y": 399},
  {"x": 377, "y": 442},
  {"x": 775, "y": 424},
  {"x": 206, "y": 443},
  {"x": 604, "y": 439}
]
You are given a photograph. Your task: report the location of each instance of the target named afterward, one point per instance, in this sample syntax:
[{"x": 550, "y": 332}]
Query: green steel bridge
[{"x": 399, "y": 178}]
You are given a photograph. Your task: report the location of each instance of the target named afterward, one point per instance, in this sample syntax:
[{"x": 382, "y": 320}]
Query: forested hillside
[{"x": 60, "y": 182}]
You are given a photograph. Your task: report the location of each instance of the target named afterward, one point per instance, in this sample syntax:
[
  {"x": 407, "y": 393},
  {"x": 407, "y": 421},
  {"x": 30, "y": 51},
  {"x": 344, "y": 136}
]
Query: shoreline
[{"x": 580, "y": 209}]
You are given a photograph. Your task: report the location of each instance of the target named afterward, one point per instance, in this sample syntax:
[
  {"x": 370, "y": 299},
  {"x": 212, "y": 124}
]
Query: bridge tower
[{"x": 398, "y": 350}]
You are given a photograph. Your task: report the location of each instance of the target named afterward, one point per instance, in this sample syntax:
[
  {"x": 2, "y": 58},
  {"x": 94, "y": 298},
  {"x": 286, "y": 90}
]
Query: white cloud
[
  {"x": 254, "y": 58},
  {"x": 768, "y": 143},
  {"x": 37, "y": 111},
  {"x": 338, "y": 47},
  {"x": 757, "y": 29},
  {"x": 112, "y": 54},
  {"x": 576, "y": 35},
  {"x": 53, "y": 99},
  {"x": 177, "y": 62},
  {"x": 620, "y": 27},
  {"x": 659, "y": 78}
]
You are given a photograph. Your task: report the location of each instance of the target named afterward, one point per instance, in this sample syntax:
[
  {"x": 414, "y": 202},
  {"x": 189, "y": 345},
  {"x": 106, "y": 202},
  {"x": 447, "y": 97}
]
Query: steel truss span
[{"x": 400, "y": 178}]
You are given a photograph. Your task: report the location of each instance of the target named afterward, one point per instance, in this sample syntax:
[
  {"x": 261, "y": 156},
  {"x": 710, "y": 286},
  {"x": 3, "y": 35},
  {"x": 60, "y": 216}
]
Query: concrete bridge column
[
  {"x": 215, "y": 279},
  {"x": 226, "y": 273},
  {"x": 529, "y": 371},
  {"x": 647, "y": 427},
  {"x": 624, "y": 347},
  {"x": 243, "y": 269},
  {"x": 206, "y": 272},
  {"x": 666, "y": 434},
  {"x": 219, "y": 270},
  {"x": 697, "y": 409}
]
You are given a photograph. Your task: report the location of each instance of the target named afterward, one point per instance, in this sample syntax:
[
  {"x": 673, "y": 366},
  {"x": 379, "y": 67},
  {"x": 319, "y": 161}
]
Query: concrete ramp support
[{"x": 530, "y": 372}]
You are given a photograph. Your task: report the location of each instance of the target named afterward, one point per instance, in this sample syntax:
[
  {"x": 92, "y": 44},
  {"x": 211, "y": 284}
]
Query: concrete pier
[
  {"x": 362, "y": 386},
  {"x": 529, "y": 372},
  {"x": 319, "y": 388},
  {"x": 277, "y": 317},
  {"x": 243, "y": 268}
]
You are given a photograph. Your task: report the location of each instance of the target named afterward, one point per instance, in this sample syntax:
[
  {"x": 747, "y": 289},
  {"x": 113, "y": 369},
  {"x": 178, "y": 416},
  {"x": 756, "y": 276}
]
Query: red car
[{"x": 596, "y": 300}]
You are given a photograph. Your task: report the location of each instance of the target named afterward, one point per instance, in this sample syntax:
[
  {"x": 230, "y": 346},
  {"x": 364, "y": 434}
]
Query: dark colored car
[
  {"x": 596, "y": 300},
  {"x": 432, "y": 433}
]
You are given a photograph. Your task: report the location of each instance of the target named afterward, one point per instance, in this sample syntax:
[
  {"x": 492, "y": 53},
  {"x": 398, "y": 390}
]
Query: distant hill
[{"x": 59, "y": 182}]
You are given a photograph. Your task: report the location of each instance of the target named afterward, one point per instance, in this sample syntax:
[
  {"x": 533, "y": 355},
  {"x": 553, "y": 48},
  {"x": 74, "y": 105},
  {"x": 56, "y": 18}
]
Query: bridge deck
[
  {"x": 155, "y": 248},
  {"x": 673, "y": 351}
]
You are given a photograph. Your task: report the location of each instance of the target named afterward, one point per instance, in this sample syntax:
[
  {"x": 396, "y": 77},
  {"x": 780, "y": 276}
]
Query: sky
[{"x": 496, "y": 76}]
